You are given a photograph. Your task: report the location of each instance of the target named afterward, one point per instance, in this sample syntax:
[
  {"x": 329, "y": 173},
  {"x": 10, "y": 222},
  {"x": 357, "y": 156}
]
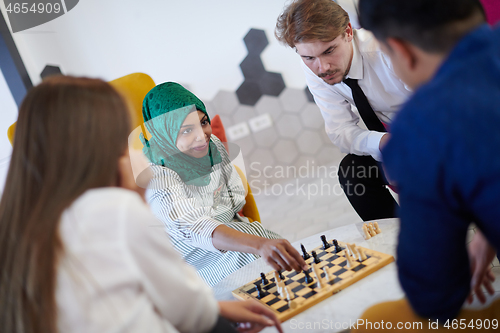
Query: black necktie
[{"x": 365, "y": 110}]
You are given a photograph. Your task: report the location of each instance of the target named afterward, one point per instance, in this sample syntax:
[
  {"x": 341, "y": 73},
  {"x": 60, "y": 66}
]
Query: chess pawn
[
  {"x": 365, "y": 231},
  {"x": 317, "y": 272},
  {"x": 377, "y": 228},
  {"x": 289, "y": 293},
  {"x": 371, "y": 230},
  {"x": 290, "y": 296},
  {"x": 327, "y": 275}
]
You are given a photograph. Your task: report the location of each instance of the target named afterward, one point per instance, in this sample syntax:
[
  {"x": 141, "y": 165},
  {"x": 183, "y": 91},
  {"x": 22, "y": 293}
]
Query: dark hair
[
  {"x": 307, "y": 20},
  {"x": 69, "y": 137},
  {"x": 434, "y": 26}
]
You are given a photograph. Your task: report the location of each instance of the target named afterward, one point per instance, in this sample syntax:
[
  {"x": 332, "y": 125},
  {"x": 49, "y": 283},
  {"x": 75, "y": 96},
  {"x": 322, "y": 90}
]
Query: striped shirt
[{"x": 191, "y": 214}]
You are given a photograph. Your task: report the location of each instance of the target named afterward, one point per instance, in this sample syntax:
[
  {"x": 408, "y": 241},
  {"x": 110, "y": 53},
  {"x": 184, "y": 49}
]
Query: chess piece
[
  {"x": 309, "y": 279},
  {"x": 326, "y": 245},
  {"x": 347, "y": 250},
  {"x": 281, "y": 275},
  {"x": 259, "y": 290},
  {"x": 351, "y": 250},
  {"x": 366, "y": 232},
  {"x": 355, "y": 251},
  {"x": 276, "y": 277},
  {"x": 362, "y": 255},
  {"x": 317, "y": 272},
  {"x": 349, "y": 260},
  {"x": 377, "y": 228},
  {"x": 263, "y": 278},
  {"x": 371, "y": 230},
  {"x": 337, "y": 246},
  {"x": 290, "y": 296},
  {"x": 327, "y": 275},
  {"x": 281, "y": 289},
  {"x": 305, "y": 255},
  {"x": 316, "y": 259}
]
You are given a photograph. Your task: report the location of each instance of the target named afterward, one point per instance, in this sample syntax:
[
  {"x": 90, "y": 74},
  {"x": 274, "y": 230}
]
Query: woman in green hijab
[{"x": 196, "y": 191}]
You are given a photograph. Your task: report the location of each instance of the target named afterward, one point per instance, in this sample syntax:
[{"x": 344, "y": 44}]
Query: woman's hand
[
  {"x": 250, "y": 315},
  {"x": 280, "y": 254}
]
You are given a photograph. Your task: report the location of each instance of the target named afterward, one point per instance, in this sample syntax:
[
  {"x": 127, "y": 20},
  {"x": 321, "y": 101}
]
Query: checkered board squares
[{"x": 307, "y": 295}]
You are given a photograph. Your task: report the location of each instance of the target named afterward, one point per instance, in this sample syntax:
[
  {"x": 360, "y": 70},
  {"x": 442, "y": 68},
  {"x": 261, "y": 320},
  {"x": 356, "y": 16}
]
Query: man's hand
[
  {"x": 280, "y": 254},
  {"x": 251, "y": 316},
  {"x": 383, "y": 141},
  {"x": 481, "y": 254}
]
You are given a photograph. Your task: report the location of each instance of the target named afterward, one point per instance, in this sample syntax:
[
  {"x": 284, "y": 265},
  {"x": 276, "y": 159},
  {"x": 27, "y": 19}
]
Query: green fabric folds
[{"x": 164, "y": 109}]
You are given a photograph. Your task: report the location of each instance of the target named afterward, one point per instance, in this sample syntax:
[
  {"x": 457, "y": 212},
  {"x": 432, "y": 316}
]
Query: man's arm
[{"x": 341, "y": 123}]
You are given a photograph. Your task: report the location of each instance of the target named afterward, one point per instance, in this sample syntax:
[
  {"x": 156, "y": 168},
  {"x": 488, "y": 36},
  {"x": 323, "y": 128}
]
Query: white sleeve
[
  {"x": 176, "y": 290},
  {"x": 182, "y": 215},
  {"x": 341, "y": 123}
]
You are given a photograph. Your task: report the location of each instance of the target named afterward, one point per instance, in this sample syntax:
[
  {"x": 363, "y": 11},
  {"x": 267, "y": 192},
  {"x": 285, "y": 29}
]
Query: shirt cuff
[
  {"x": 373, "y": 144},
  {"x": 202, "y": 234}
]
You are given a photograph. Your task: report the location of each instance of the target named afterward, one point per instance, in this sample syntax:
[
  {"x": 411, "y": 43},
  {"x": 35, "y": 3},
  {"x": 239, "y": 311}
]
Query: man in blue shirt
[{"x": 443, "y": 151}]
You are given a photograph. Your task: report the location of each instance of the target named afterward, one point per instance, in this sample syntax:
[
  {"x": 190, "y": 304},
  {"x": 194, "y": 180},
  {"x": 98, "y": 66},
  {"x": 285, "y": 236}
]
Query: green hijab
[{"x": 164, "y": 109}]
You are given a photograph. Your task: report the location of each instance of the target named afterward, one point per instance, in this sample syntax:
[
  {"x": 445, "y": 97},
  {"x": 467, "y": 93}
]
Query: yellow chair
[
  {"x": 250, "y": 209},
  {"x": 133, "y": 88},
  {"x": 10, "y": 132}
]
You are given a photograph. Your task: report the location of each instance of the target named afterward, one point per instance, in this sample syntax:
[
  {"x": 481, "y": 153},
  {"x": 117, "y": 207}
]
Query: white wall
[
  {"x": 195, "y": 42},
  {"x": 9, "y": 116}
]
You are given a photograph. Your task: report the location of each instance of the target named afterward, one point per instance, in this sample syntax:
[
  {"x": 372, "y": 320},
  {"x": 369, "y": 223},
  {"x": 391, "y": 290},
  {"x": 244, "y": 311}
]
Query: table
[{"x": 340, "y": 310}]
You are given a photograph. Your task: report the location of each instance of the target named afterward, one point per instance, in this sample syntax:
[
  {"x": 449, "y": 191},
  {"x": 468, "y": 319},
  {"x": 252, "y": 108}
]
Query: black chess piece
[
  {"x": 263, "y": 278},
  {"x": 315, "y": 256},
  {"x": 337, "y": 246},
  {"x": 305, "y": 255},
  {"x": 259, "y": 290},
  {"x": 309, "y": 279},
  {"x": 282, "y": 277},
  {"x": 326, "y": 245}
]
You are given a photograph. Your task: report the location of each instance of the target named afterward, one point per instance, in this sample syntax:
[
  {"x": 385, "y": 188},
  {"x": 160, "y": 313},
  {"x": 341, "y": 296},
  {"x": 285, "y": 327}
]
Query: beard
[{"x": 328, "y": 73}]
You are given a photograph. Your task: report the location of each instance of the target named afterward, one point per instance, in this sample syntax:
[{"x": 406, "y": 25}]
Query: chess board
[{"x": 307, "y": 295}]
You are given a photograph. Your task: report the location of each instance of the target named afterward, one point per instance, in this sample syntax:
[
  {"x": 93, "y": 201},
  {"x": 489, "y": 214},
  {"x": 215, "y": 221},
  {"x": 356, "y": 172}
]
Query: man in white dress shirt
[{"x": 345, "y": 67}]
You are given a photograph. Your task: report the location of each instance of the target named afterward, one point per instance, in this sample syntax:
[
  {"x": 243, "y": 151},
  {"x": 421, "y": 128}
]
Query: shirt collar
[{"x": 356, "y": 70}]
